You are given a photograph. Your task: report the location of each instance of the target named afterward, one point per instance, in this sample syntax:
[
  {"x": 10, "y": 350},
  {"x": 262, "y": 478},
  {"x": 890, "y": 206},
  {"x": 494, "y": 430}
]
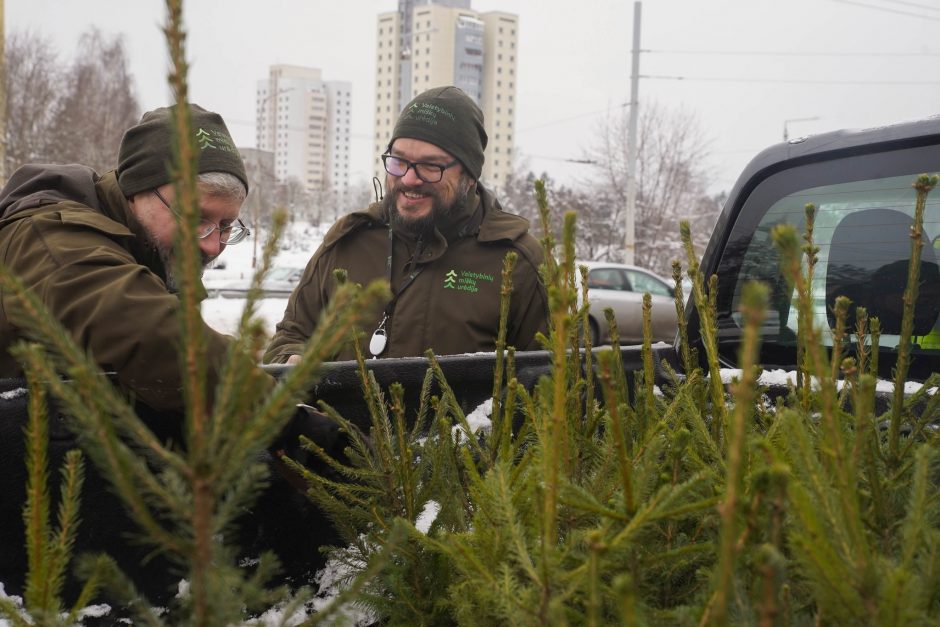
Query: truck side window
[{"x": 862, "y": 229}]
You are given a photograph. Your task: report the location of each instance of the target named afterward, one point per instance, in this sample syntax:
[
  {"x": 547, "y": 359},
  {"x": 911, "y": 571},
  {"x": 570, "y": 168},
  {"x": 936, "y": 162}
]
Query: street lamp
[{"x": 786, "y": 134}]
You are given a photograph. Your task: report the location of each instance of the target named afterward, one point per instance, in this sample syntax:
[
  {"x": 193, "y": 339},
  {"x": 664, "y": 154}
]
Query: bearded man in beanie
[{"x": 438, "y": 237}]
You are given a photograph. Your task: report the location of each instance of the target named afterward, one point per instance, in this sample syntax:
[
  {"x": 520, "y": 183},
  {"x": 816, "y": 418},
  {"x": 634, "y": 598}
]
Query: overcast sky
[{"x": 748, "y": 65}]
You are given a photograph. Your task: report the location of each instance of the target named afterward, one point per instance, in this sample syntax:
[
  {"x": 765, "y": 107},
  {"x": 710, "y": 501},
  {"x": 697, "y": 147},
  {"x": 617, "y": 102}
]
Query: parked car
[
  {"x": 279, "y": 283},
  {"x": 621, "y": 287}
]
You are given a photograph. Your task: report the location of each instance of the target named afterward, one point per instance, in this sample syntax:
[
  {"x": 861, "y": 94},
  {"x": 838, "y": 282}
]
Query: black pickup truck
[{"x": 861, "y": 183}]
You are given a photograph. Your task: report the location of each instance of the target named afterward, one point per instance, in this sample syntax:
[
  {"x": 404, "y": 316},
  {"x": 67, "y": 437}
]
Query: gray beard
[{"x": 167, "y": 257}]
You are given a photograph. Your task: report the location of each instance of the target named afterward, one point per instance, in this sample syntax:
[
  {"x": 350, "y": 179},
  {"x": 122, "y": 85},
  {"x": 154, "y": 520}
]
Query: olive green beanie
[
  {"x": 147, "y": 149},
  {"x": 449, "y": 119}
]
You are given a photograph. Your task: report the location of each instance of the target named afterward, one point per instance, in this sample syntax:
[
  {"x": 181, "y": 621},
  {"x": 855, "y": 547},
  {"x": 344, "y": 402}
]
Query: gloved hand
[{"x": 320, "y": 429}]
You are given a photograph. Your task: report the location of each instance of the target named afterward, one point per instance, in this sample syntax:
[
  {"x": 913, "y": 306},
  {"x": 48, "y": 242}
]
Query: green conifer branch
[
  {"x": 753, "y": 308},
  {"x": 126, "y": 471},
  {"x": 501, "y": 430},
  {"x": 681, "y": 322},
  {"x": 646, "y": 353},
  {"x": 709, "y": 328},
  {"x": 39, "y": 594},
  {"x": 593, "y": 415},
  {"x": 811, "y": 255},
  {"x": 923, "y": 185},
  {"x": 617, "y": 433}
]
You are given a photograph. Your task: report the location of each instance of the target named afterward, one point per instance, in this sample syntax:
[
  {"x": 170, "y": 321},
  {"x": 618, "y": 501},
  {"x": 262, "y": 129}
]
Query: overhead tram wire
[
  {"x": 917, "y": 5},
  {"x": 587, "y": 114},
  {"x": 791, "y": 53},
  {"x": 782, "y": 81},
  {"x": 887, "y": 10}
]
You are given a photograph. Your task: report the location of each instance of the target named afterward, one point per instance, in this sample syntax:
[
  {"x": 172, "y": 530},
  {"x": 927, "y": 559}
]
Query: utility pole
[{"x": 629, "y": 244}]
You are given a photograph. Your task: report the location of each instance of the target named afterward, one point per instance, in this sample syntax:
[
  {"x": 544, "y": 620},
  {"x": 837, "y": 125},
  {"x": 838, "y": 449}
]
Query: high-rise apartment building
[
  {"x": 433, "y": 43},
  {"x": 305, "y": 122}
]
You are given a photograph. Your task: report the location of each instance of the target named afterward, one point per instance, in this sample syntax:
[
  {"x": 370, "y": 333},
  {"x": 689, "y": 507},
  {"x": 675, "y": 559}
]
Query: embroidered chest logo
[{"x": 466, "y": 280}]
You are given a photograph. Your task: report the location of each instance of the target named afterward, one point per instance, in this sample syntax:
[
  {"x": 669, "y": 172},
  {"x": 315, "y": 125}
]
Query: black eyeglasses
[
  {"x": 231, "y": 234},
  {"x": 427, "y": 172}
]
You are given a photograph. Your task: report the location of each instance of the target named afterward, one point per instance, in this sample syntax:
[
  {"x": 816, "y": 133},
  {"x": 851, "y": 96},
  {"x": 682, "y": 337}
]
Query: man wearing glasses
[
  {"x": 438, "y": 237},
  {"x": 98, "y": 250}
]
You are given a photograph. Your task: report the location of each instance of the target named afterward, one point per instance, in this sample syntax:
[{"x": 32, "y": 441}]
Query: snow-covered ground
[{"x": 296, "y": 247}]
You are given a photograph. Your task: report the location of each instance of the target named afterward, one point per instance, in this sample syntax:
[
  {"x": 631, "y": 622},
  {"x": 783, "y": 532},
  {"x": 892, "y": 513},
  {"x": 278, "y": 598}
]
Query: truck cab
[{"x": 861, "y": 183}]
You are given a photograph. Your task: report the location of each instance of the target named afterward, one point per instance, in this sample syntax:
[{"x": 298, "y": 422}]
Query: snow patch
[
  {"x": 11, "y": 394},
  {"x": 782, "y": 378},
  {"x": 427, "y": 516},
  {"x": 479, "y": 418},
  {"x": 332, "y": 579}
]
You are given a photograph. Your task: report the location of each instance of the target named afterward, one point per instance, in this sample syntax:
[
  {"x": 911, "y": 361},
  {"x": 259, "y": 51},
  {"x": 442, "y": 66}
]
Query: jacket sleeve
[
  {"x": 114, "y": 307},
  {"x": 303, "y": 310},
  {"x": 528, "y": 306}
]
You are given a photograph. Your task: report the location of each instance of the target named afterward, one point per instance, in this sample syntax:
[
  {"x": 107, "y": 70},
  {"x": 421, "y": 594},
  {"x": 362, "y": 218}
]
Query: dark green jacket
[
  {"x": 452, "y": 306},
  {"x": 71, "y": 237}
]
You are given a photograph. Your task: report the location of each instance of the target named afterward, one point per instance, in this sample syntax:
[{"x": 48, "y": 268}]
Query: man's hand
[{"x": 293, "y": 360}]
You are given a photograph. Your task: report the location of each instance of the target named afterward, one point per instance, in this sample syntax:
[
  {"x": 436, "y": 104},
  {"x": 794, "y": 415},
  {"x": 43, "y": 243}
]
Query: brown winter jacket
[
  {"x": 451, "y": 307},
  {"x": 71, "y": 237}
]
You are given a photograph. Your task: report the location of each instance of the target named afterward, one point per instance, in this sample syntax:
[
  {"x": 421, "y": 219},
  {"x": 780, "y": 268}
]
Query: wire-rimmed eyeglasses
[
  {"x": 427, "y": 172},
  {"x": 229, "y": 234}
]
